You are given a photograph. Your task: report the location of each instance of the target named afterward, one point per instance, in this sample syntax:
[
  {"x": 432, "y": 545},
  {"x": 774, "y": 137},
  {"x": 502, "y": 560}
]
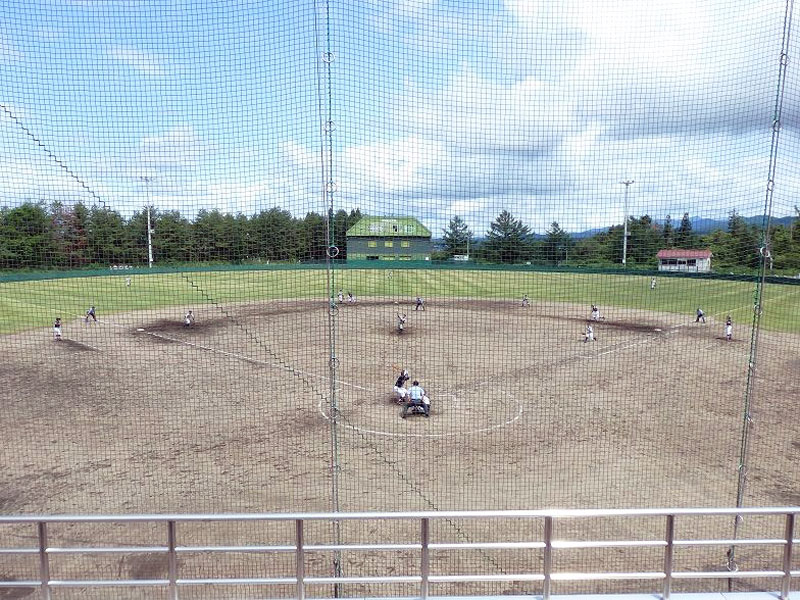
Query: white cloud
[
  {"x": 474, "y": 112},
  {"x": 9, "y": 53},
  {"x": 29, "y": 174},
  {"x": 30, "y": 177},
  {"x": 180, "y": 147},
  {"x": 144, "y": 62},
  {"x": 535, "y": 106}
]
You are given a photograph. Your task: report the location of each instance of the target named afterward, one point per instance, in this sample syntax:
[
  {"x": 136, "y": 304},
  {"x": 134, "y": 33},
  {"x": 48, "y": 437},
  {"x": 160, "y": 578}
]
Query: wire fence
[{"x": 228, "y": 231}]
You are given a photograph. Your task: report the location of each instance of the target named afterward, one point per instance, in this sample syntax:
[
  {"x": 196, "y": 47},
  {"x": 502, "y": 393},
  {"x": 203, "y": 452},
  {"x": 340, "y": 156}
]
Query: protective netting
[{"x": 232, "y": 208}]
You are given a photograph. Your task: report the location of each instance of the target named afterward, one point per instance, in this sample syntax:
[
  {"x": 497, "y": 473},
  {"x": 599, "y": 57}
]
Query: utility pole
[
  {"x": 147, "y": 180},
  {"x": 627, "y": 183}
]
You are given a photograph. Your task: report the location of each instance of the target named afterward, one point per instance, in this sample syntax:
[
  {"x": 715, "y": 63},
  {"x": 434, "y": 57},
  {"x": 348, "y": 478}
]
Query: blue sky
[{"x": 441, "y": 107}]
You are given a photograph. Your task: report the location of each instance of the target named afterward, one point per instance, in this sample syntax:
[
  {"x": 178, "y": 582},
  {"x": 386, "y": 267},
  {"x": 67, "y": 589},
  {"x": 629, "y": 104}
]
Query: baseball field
[{"x": 138, "y": 414}]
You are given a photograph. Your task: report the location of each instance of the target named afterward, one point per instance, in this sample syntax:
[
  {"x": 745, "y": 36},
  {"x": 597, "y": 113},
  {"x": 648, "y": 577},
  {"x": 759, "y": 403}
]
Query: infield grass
[{"x": 35, "y": 303}]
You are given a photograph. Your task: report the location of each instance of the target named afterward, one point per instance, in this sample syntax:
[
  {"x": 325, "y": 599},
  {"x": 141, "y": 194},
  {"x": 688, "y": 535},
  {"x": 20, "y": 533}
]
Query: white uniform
[
  {"x": 728, "y": 331},
  {"x": 401, "y": 391},
  {"x": 653, "y": 283},
  {"x": 128, "y": 281},
  {"x": 401, "y": 322},
  {"x": 188, "y": 319},
  {"x": 57, "y": 330},
  {"x": 595, "y": 313},
  {"x": 341, "y": 297},
  {"x": 589, "y": 336}
]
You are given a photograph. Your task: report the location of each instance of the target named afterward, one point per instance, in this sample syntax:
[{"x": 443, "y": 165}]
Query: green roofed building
[{"x": 389, "y": 238}]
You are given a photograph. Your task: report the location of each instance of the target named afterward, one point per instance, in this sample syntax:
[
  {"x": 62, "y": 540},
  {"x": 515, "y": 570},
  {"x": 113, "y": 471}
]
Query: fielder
[
  {"x": 127, "y": 282},
  {"x": 589, "y": 335},
  {"x": 57, "y": 329},
  {"x": 653, "y": 283},
  {"x": 401, "y": 322},
  {"x": 595, "y": 313},
  {"x": 701, "y": 316},
  {"x": 525, "y": 301},
  {"x": 399, "y": 386},
  {"x": 350, "y": 298},
  {"x": 90, "y": 314},
  {"x": 419, "y": 303},
  {"x": 728, "y": 329},
  {"x": 188, "y": 319},
  {"x": 341, "y": 297}
]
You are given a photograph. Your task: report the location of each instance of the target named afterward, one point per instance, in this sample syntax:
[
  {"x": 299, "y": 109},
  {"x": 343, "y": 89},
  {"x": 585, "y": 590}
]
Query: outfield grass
[{"x": 35, "y": 303}]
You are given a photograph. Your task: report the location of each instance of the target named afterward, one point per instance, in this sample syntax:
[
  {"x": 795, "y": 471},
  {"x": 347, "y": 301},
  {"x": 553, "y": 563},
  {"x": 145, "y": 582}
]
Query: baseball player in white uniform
[{"x": 399, "y": 386}]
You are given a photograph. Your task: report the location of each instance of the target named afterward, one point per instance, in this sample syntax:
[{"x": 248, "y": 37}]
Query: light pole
[
  {"x": 147, "y": 181},
  {"x": 627, "y": 183}
]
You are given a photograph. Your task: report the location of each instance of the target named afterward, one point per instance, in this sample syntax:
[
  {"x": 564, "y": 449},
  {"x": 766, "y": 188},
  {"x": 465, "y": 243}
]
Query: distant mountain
[
  {"x": 588, "y": 233},
  {"x": 699, "y": 225}
]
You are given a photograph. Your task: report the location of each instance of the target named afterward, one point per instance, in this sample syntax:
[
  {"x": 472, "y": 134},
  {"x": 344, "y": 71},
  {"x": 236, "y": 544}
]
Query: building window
[
  {"x": 405, "y": 244},
  {"x": 372, "y": 244},
  {"x": 388, "y": 244},
  {"x": 692, "y": 262}
]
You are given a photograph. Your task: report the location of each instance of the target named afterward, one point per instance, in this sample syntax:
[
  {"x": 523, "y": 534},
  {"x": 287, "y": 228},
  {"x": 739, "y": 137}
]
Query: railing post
[
  {"x": 786, "y": 582},
  {"x": 300, "y": 564},
  {"x": 44, "y": 562},
  {"x": 548, "y": 556},
  {"x": 172, "y": 561},
  {"x": 668, "y": 556},
  {"x": 425, "y": 559}
]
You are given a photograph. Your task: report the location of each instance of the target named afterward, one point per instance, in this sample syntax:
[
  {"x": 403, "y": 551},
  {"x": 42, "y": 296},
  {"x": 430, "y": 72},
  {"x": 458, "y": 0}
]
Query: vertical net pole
[
  {"x": 325, "y": 59},
  {"x": 758, "y": 295}
]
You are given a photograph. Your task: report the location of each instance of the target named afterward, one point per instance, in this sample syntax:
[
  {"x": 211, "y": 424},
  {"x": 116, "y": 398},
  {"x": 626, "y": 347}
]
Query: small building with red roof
[{"x": 692, "y": 261}]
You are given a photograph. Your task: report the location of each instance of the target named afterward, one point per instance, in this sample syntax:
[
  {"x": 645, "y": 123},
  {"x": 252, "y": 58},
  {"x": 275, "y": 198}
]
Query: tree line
[
  {"x": 40, "y": 236},
  {"x": 35, "y": 236},
  {"x": 737, "y": 248}
]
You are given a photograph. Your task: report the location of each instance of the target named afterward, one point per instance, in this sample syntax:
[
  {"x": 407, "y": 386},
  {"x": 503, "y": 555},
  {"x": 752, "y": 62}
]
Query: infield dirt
[{"x": 233, "y": 414}]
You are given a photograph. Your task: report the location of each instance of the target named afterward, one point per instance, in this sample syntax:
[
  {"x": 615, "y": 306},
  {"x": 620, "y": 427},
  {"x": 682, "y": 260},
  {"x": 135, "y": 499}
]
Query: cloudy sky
[{"x": 440, "y": 107}]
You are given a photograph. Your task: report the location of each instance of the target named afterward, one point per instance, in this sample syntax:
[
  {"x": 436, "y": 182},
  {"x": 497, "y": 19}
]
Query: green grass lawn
[{"x": 35, "y": 303}]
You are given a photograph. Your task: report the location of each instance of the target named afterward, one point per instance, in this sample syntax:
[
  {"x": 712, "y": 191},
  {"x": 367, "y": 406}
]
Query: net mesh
[{"x": 250, "y": 218}]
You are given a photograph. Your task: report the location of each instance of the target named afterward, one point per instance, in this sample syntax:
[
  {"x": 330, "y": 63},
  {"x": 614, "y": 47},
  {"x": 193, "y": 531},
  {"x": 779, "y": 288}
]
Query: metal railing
[{"x": 299, "y": 580}]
